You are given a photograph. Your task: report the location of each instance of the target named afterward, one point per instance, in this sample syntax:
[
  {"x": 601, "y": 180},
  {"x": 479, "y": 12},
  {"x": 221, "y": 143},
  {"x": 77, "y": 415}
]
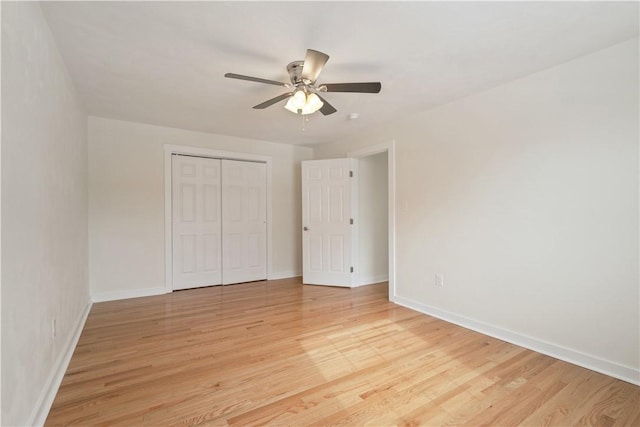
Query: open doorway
[
  {"x": 376, "y": 214},
  {"x": 372, "y": 220}
]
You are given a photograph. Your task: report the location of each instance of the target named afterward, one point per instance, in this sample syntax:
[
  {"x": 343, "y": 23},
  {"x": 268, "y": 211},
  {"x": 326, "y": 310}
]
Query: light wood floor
[{"x": 280, "y": 353}]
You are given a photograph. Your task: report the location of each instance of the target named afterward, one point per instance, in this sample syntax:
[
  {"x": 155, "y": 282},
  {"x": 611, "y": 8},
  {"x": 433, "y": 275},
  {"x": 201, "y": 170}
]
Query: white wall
[
  {"x": 44, "y": 214},
  {"x": 373, "y": 241},
  {"x": 126, "y": 202},
  {"x": 526, "y": 198}
]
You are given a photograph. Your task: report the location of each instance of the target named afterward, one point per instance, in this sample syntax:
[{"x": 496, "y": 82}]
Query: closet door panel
[
  {"x": 244, "y": 221},
  {"x": 197, "y": 225}
]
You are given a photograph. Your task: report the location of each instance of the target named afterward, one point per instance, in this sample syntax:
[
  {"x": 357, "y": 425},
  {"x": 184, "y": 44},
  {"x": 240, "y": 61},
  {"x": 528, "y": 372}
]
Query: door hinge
[
  {"x": 350, "y": 174},
  {"x": 351, "y": 221},
  {"x": 352, "y": 269}
]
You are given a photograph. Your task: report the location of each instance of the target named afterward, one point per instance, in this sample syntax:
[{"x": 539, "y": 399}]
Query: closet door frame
[{"x": 170, "y": 150}]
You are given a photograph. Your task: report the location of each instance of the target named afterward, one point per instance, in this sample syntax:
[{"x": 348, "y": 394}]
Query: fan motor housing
[{"x": 295, "y": 71}]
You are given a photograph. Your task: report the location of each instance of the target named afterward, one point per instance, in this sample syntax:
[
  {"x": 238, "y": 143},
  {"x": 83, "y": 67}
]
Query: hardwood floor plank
[{"x": 281, "y": 353}]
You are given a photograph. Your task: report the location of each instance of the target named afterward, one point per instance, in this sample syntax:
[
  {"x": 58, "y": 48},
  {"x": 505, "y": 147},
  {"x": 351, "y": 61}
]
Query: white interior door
[
  {"x": 327, "y": 190},
  {"x": 196, "y": 222},
  {"x": 244, "y": 221}
]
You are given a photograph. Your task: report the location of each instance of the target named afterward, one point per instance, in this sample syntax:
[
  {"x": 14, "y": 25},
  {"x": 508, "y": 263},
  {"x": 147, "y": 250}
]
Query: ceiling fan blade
[
  {"x": 326, "y": 107},
  {"x": 272, "y": 101},
  {"x": 313, "y": 64},
  {"x": 369, "y": 87},
  {"x": 255, "y": 79}
]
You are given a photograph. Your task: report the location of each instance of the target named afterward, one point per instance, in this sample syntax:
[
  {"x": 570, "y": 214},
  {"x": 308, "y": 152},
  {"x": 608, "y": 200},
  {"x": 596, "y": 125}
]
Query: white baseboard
[
  {"x": 575, "y": 357},
  {"x": 370, "y": 280},
  {"x": 43, "y": 406},
  {"x": 147, "y": 292},
  {"x": 129, "y": 293},
  {"x": 284, "y": 274}
]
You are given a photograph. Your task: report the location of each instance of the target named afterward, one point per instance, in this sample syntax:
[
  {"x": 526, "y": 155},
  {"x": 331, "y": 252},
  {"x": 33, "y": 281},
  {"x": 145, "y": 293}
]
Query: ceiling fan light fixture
[{"x": 310, "y": 105}]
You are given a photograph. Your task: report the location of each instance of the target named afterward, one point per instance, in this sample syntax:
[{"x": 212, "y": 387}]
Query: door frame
[
  {"x": 169, "y": 150},
  {"x": 390, "y": 148}
]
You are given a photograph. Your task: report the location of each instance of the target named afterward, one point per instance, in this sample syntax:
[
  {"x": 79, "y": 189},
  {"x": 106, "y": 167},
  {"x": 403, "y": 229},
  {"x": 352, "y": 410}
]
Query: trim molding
[
  {"x": 129, "y": 293},
  {"x": 370, "y": 280},
  {"x": 575, "y": 357},
  {"x": 148, "y": 292},
  {"x": 43, "y": 406},
  {"x": 284, "y": 274}
]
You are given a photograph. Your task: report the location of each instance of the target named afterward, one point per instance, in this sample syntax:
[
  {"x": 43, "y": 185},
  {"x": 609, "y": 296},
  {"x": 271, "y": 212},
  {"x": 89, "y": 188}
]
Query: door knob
[{"x": 305, "y": 228}]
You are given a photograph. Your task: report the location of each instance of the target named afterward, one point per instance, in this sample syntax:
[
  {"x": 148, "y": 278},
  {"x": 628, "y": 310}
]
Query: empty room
[{"x": 320, "y": 213}]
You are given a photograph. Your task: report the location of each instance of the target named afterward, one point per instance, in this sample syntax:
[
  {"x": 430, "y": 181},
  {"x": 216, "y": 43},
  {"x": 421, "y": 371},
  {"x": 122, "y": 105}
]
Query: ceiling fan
[{"x": 304, "y": 97}]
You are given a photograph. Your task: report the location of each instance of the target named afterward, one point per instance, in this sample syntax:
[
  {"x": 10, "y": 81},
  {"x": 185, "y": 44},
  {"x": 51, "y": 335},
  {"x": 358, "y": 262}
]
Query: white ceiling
[{"x": 163, "y": 62}]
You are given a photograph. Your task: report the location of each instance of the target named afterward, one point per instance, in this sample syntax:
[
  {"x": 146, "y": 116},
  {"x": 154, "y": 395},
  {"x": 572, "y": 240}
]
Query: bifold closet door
[
  {"x": 244, "y": 221},
  {"x": 197, "y": 224}
]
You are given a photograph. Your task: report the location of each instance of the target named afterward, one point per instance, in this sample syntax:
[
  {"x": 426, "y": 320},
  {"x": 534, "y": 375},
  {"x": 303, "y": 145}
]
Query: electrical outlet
[
  {"x": 53, "y": 328},
  {"x": 439, "y": 280}
]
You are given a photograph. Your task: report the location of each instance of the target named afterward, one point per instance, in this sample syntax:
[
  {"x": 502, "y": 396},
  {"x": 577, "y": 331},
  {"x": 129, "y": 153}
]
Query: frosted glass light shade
[
  {"x": 289, "y": 106},
  {"x": 313, "y": 104},
  {"x": 299, "y": 99}
]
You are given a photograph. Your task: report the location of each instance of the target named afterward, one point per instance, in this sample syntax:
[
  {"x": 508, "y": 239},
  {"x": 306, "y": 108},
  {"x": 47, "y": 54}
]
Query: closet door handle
[{"x": 305, "y": 228}]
